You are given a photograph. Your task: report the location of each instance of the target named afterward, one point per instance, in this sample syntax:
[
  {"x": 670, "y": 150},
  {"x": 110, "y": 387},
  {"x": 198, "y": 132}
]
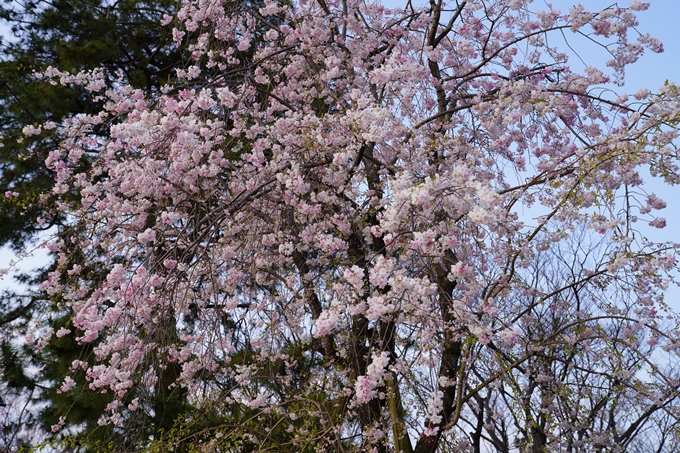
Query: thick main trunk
[
  {"x": 451, "y": 354},
  {"x": 313, "y": 303}
]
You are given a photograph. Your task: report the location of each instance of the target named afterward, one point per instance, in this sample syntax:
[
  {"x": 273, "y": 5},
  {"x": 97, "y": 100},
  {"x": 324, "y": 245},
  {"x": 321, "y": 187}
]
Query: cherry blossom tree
[{"x": 320, "y": 242}]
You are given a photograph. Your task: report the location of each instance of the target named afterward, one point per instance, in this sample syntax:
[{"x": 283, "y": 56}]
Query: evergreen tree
[{"x": 125, "y": 37}]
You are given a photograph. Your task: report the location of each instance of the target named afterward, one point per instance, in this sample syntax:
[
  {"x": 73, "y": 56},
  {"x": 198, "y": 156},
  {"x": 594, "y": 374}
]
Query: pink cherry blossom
[{"x": 382, "y": 221}]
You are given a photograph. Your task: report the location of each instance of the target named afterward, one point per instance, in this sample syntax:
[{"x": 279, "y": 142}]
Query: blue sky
[
  {"x": 651, "y": 71},
  {"x": 661, "y": 21}
]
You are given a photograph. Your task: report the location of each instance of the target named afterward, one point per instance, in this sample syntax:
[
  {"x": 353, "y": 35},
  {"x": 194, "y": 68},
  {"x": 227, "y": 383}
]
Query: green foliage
[{"x": 125, "y": 37}]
